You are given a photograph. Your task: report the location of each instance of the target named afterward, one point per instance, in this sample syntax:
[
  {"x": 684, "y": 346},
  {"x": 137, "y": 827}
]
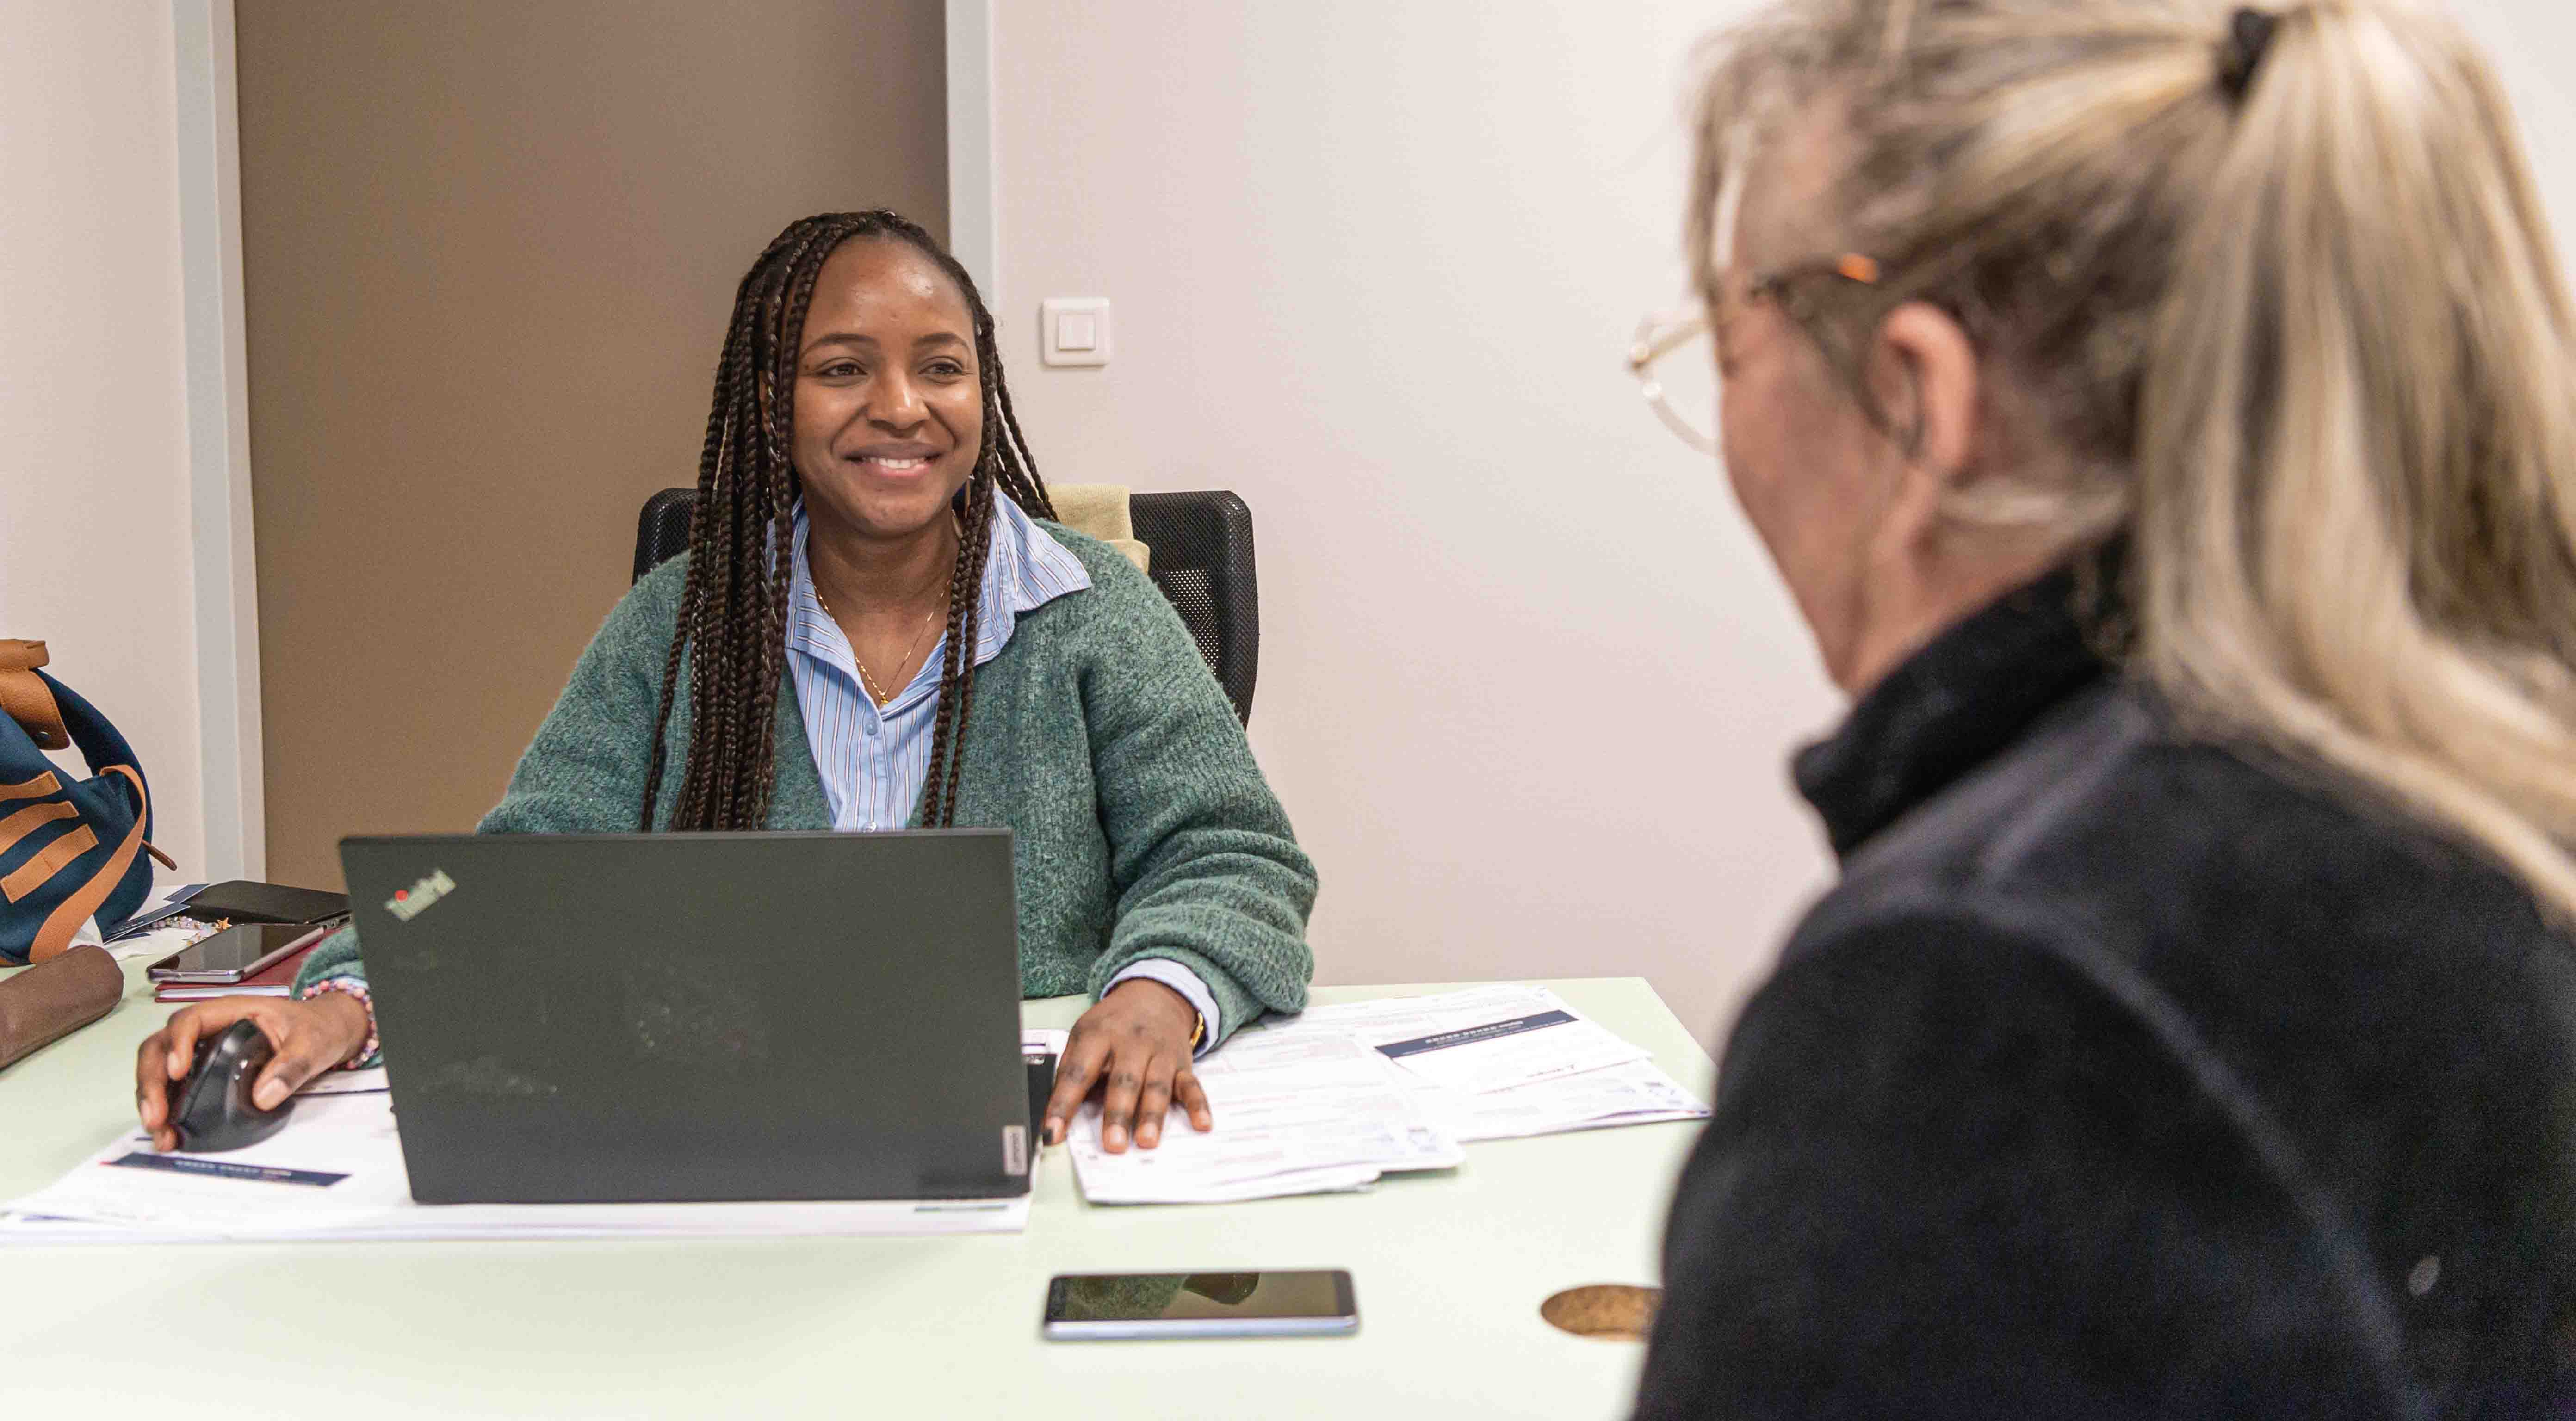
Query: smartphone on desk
[
  {"x": 1299, "y": 1303},
  {"x": 235, "y": 953}
]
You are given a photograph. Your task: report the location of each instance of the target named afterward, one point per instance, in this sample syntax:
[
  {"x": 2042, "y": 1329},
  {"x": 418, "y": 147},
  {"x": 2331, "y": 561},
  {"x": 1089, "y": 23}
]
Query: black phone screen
[
  {"x": 247, "y": 902},
  {"x": 1141, "y": 1297}
]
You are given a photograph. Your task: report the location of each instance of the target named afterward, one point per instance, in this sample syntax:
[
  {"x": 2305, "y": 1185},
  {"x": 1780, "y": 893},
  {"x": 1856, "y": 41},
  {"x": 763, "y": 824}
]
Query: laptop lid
[{"x": 633, "y": 1017}]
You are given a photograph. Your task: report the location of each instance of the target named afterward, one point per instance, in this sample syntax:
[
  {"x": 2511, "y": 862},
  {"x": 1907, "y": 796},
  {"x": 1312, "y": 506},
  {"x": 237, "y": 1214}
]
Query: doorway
[{"x": 489, "y": 248}]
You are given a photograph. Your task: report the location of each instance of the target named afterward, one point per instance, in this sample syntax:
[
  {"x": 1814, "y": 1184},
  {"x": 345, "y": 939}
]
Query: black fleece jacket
[{"x": 2124, "y": 1075}]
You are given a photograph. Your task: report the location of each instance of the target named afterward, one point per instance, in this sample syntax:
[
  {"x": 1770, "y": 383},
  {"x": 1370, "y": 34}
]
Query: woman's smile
[{"x": 897, "y": 460}]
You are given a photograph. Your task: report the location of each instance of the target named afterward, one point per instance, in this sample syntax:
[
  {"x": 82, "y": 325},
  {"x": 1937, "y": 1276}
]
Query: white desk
[{"x": 1450, "y": 1269}]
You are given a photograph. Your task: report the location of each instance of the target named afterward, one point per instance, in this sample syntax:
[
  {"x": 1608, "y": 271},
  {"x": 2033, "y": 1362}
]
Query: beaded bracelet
[{"x": 355, "y": 987}]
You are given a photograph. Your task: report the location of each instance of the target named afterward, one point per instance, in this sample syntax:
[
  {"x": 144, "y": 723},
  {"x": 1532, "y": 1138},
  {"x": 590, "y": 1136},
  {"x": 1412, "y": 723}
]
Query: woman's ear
[{"x": 1924, "y": 369}]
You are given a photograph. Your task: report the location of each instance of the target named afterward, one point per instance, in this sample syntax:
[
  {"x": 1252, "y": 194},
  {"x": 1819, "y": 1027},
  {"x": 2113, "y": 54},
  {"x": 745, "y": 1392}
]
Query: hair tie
[{"x": 2249, "y": 34}]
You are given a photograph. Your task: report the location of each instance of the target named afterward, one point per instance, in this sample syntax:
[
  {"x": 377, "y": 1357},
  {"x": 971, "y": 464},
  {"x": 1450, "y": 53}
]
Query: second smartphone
[
  {"x": 236, "y": 953},
  {"x": 1308, "y": 1302}
]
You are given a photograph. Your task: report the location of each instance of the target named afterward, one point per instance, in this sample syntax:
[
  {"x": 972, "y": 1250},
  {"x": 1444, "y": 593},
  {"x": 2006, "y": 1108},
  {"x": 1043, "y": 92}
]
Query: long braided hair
[{"x": 733, "y": 611}]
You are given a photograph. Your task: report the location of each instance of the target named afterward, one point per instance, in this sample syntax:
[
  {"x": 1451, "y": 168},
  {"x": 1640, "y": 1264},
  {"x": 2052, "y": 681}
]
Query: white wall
[
  {"x": 1526, "y": 681},
  {"x": 2529, "y": 41},
  {"x": 94, "y": 483},
  {"x": 1527, "y": 685}
]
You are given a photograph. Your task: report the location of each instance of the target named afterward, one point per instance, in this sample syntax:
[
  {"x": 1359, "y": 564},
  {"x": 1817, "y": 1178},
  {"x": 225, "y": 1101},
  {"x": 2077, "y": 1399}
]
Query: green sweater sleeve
[
  {"x": 1205, "y": 868},
  {"x": 584, "y": 772}
]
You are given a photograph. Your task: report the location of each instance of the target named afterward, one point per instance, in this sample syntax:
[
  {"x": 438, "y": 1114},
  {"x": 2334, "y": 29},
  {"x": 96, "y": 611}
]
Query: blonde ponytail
[
  {"x": 2305, "y": 338},
  {"x": 2357, "y": 478}
]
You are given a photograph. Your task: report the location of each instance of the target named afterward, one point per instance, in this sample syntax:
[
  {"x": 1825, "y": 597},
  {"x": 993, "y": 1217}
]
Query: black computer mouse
[{"x": 211, "y": 1109}]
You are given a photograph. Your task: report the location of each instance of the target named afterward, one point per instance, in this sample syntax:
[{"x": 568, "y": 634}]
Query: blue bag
[{"x": 68, "y": 852}]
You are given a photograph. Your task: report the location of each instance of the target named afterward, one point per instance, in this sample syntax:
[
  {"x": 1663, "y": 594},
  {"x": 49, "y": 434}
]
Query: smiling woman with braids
[{"x": 874, "y": 628}]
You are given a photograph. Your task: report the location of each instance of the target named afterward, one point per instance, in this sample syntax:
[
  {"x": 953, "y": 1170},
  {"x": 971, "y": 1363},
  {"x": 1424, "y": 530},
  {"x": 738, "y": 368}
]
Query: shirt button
[{"x": 872, "y": 727}]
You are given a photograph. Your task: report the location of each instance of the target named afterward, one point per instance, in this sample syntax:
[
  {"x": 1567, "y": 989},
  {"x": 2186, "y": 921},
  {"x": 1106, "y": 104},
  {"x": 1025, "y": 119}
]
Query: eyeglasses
[
  {"x": 1660, "y": 335},
  {"x": 1657, "y": 337}
]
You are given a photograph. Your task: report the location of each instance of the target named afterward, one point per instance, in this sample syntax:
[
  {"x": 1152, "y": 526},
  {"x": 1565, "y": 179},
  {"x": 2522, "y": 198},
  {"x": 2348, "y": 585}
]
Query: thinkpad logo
[{"x": 410, "y": 903}]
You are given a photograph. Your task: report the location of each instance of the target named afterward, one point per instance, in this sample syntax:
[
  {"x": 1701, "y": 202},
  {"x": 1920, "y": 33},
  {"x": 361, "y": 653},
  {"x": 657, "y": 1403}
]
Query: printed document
[
  {"x": 335, "y": 1172},
  {"x": 1334, "y": 1098},
  {"x": 1638, "y": 1093},
  {"x": 1295, "y": 1114},
  {"x": 1481, "y": 1039}
]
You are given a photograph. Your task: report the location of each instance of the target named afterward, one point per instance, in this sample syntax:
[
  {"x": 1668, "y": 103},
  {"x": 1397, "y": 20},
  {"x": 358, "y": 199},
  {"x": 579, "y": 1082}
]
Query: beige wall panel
[{"x": 489, "y": 249}]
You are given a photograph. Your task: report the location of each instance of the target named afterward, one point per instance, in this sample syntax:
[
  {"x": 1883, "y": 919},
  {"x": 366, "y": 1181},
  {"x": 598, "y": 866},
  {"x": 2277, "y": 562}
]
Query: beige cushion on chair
[{"x": 1100, "y": 511}]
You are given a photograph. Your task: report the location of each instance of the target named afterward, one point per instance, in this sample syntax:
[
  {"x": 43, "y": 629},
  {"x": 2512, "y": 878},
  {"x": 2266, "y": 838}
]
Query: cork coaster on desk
[{"x": 1616, "y": 1311}]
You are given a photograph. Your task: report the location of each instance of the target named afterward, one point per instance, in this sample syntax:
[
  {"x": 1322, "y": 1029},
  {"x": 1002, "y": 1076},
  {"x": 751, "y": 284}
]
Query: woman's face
[
  {"x": 1803, "y": 461},
  {"x": 889, "y": 403},
  {"x": 1811, "y": 472}
]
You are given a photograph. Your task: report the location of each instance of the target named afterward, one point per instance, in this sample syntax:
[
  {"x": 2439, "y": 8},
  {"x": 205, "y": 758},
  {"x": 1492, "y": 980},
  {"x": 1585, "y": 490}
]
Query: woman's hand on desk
[
  {"x": 1136, "y": 1040},
  {"x": 310, "y": 1036}
]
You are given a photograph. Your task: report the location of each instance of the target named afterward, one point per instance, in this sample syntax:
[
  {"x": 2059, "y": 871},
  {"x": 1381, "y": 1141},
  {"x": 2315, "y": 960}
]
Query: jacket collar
[{"x": 1950, "y": 707}]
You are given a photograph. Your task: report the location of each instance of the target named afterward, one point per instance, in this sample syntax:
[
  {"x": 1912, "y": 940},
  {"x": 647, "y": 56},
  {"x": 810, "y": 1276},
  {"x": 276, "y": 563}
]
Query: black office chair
[{"x": 1202, "y": 561}]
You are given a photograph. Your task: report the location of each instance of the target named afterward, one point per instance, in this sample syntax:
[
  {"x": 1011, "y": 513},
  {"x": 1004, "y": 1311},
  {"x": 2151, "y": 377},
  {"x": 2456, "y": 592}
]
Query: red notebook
[{"x": 275, "y": 980}]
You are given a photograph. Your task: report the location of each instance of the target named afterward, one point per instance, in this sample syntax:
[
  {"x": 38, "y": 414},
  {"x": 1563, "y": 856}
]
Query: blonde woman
[{"x": 2163, "y": 416}]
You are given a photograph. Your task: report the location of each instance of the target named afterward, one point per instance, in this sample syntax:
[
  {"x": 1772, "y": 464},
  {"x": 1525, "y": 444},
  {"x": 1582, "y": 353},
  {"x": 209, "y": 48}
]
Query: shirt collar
[
  {"x": 1024, "y": 569},
  {"x": 1951, "y": 706}
]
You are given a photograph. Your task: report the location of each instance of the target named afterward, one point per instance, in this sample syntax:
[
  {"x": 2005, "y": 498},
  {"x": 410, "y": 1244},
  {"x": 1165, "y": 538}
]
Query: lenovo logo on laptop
[{"x": 410, "y": 903}]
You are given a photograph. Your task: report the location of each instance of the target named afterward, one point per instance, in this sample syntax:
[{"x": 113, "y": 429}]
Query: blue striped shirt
[{"x": 873, "y": 760}]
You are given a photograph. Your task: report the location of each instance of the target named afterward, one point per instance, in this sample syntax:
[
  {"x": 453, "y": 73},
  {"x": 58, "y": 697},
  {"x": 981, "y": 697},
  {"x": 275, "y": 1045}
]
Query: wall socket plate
[{"x": 1074, "y": 330}]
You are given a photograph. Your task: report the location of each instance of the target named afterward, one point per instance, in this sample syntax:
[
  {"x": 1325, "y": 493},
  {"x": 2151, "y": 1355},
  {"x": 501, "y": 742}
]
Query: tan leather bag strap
[
  {"x": 55, "y": 937},
  {"x": 26, "y": 699}
]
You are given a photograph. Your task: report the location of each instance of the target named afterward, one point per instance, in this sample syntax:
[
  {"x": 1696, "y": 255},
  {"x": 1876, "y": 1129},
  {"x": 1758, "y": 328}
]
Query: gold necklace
[
  {"x": 874, "y": 690},
  {"x": 865, "y": 679}
]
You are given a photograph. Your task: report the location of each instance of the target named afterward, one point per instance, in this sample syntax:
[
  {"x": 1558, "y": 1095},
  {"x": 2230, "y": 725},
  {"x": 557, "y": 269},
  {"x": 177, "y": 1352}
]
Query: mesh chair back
[
  {"x": 663, "y": 532},
  {"x": 1202, "y": 561}
]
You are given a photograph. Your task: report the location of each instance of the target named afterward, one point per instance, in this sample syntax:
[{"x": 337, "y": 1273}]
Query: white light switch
[{"x": 1074, "y": 330}]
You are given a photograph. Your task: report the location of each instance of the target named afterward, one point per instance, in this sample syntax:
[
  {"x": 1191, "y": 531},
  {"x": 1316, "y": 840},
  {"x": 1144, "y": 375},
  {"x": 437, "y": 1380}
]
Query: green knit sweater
[{"x": 1142, "y": 827}]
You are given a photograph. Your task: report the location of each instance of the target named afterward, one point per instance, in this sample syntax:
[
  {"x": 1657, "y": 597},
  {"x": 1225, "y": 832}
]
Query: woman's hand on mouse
[
  {"x": 310, "y": 1037},
  {"x": 1137, "y": 1041}
]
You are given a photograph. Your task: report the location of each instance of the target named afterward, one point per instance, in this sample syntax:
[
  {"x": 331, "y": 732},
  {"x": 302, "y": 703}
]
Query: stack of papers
[
  {"x": 1296, "y": 1114},
  {"x": 1493, "y": 1063},
  {"x": 336, "y": 1173},
  {"x": 1335, "y": 1098}
]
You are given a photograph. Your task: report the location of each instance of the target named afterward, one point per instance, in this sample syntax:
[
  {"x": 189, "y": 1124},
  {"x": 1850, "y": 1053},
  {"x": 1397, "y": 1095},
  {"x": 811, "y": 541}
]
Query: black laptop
[{"x": 629, "y": 1017}]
